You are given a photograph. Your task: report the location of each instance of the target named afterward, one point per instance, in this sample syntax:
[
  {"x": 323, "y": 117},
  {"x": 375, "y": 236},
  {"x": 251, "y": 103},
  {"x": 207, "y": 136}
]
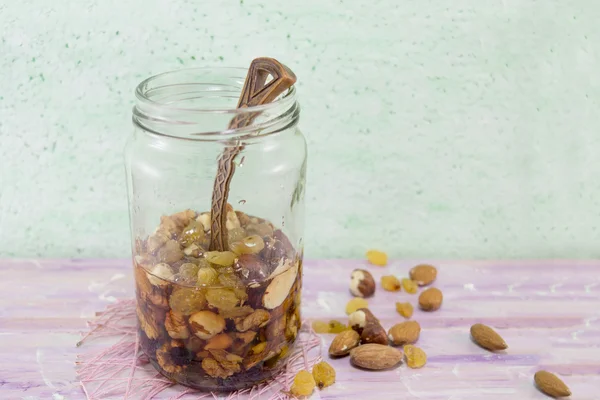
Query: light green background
[{"x": 446, "y": 129}]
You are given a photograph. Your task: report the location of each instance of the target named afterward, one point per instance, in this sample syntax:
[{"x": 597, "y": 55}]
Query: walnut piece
[
  {"x": 256, "y": 320},
  {"x": 214, "y": 369},
  {"x": 176, "y": 325},
  {"x": 147, "y": 323}
]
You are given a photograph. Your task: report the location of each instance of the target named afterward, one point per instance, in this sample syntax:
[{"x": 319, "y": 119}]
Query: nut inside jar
[{"x": 217, "y": 320}]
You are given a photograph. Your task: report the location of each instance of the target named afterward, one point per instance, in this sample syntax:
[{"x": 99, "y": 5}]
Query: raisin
[
  {"x": 192, "y": 233},
  {"x": 415, "y": 357},
  {"x": 187, "y": 301},
  {"x": 337, "y": 327},
  {"x": 207, "y": 276},
  {"x": 320, "y": 327},
  {"x": 404, "y": 309},
  {"x": 377, "y": 257},
  {"x": 409, "y": 286},
  {"x": 324, "y": 374},
  {"x": 355, "y": 304},
  {"x": 304, "y": 384},
  {"x": 390, "y": 283},
  {"x": 223, "y": 299},
  {"x": 222, "y": 258}
]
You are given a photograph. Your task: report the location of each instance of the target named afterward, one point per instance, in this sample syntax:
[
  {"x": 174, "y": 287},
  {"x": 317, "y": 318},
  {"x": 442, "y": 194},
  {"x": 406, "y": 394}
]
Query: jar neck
[{"x": 199, "y": 104}]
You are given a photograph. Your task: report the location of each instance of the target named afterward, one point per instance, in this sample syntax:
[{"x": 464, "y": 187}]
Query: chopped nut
[
  {"x": 243, "y": 218},
  {"x": 279, "y": 288},
  {"x": 176, "y": 325},
  {"x": 173, "y": 357},
  {"x": 377, "y": 257},
  {"x": 259, "y": 348},
  {"x": 390, "y": 283},
  {"x": 170, "y": 252},
  {"x": 362, "y": 283},
  {"x": 292, "y": 327},
  {"x": 204, "y": 219},
  {"x": 147, "y": 323},
  {"x": 206, "y": 324},
  {"x": 404, "y": 309},
  {"x": 355, "y": 304},
  {"x": 227, "y": 360},
  {"x": 254, "y": 321},
  {"x": 409, "y": 286},
  {"x": 214, "y": 369},
  {"x": 220, "y": 341},
  {"x": 157, "y": 240},
  {"x": 160, "y": 274},
  {"x": 193, "y": 250},
  {"x": 232, "y": 221}
]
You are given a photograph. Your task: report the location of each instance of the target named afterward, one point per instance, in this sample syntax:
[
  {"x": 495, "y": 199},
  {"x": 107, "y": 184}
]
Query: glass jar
[{"x": 215, "y": 320}]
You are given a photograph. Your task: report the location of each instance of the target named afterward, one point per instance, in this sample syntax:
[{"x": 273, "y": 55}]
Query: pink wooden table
[{"x": 547, "y": 311}]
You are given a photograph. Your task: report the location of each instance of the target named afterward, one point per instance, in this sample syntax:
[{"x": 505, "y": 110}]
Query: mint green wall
[{"x": 462, "y": 129}]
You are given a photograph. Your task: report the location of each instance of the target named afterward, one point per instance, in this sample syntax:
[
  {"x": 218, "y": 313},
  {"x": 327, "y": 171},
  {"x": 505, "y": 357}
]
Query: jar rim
[
  {"x": 158, "y": 110},
  {"x": 141, "y": 91}
]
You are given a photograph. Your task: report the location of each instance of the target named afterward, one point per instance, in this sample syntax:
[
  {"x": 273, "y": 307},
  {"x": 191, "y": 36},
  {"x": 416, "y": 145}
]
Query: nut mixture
[{"x": 218, "y": 320}]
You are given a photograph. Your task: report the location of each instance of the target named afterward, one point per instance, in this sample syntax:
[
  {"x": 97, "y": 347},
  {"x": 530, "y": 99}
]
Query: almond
[
  {"x": 343, "y": 343},
  {"x": 423, "y": 274},
  {"x": 405, "y": 333},
  {"x": 550, "y": 384},
  {"x": 430, "y": 299},
  {"x": 487, "y": 338},
  {"x": 279, "y": 288},
  {"x": 375, "y": 356}
]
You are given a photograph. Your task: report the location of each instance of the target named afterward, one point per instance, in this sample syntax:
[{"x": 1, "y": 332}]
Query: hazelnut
[
  {"x": 362, "y": 283},
  {"x": 359, "y": 319},
  {"x": 160, "y": 274},
  {"x": 206, "y": 324}
]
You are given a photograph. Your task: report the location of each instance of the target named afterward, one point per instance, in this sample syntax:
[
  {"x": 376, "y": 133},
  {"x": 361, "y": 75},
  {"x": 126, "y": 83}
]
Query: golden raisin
[
  {"x": 409, "y": 286},
  {"x": 187, "y": 301},
  {"x": 377, "y": 257},
  {"x": 207, "y": 276},
  {"x": 415, "y": 357},
  {"x": 404, "y": 309},
  {"x": 320, "y": 327},
  {"x": 304, "y": 384},
  {"x": 337, "y": 327},
  {"x": 324, "y": 374},
  {"x": 390, "y": 283},
  {"x": 223, "y": 299},
  {"x": 222, "y": 258},
  {"x": 355, "y": 304}
]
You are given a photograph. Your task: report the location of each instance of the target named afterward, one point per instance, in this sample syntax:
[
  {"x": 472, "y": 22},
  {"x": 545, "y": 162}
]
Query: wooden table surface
[{"x": 547, "y": 311}]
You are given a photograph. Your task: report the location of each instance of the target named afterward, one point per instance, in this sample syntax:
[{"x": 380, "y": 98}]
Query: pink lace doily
[{"x": 115, "y": 368}]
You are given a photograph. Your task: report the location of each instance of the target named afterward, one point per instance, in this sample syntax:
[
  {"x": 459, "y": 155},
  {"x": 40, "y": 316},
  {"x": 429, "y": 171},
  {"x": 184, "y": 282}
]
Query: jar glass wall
[{"x": 215, "y": 320}]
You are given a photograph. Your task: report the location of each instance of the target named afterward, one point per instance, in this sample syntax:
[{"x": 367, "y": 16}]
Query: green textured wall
[{"x": 463, "y": 129}]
